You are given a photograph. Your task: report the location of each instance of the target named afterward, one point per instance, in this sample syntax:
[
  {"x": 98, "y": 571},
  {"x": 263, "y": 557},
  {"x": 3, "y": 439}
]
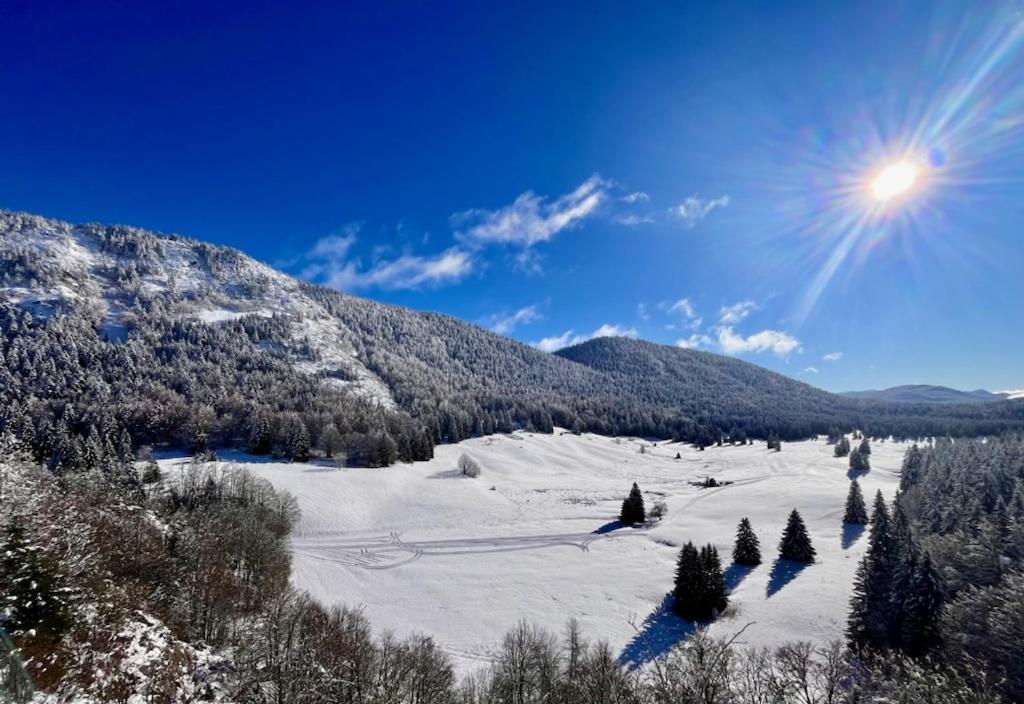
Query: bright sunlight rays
[{"x": 894, "y": 180}]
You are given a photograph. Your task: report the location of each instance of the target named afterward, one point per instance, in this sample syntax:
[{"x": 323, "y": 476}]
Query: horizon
[{"x": 708, "y": 177}]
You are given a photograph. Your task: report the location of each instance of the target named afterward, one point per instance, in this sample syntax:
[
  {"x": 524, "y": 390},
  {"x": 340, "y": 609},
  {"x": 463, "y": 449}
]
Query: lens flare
[{"x": 894, "y": 180}]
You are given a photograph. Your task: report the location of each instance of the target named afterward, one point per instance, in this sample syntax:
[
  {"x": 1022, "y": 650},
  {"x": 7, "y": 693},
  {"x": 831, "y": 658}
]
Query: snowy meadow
[{"x": 423, "y": 548}]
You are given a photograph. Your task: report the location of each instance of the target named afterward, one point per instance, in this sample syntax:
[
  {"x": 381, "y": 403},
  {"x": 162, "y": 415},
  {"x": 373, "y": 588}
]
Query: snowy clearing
[{"x": 425, "y": 549}]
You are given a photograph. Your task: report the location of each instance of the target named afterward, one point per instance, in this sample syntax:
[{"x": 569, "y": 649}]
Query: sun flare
[{"x": 894, "y": 180}]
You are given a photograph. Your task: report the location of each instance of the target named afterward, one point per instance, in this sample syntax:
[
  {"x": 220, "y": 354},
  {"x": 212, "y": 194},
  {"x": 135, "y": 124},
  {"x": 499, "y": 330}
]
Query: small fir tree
[
  {"x": 856, "y": 511},
  {"x": 842, "y": 447},
  {"x": 865, "y": 447},
  {"x": 859, "y": 462},
  {"x": 795, "y": 543},
  {"x": 747, "y": 550},
  {"x": 633, "y": 507}
]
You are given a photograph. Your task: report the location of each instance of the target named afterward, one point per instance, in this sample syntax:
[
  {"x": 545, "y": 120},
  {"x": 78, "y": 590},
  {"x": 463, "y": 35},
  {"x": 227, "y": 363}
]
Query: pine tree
[
  {"x": 31, "y": 598},
  {"x": 699, "y": 590},
  {"x": 747, "y": 550},
  {"x": 859, "y": 462},
  {"x": 685, "y": 593},
  {"x": 865, "y": 447},
  {"x": 633, "y": 507},
  {"x": 856, "y": 512},
  {"x": 922, "y": 604},
  {"x": 715, "y": 599},
  {"x": 795, "y": 543},
  {"x": 842, "y": 447},
  {"x": 871, "y": 608}
]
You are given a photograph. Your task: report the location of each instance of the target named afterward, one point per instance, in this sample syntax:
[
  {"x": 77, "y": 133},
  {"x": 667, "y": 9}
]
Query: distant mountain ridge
[{"x": 926, "y": 393}]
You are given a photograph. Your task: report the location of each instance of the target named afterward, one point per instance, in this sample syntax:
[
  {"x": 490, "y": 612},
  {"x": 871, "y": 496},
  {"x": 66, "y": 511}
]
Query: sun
[{"x": 893, "y": 180}]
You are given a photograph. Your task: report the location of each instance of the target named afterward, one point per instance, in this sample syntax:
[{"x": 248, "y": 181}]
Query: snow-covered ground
[{"x": 425, "y": 549}]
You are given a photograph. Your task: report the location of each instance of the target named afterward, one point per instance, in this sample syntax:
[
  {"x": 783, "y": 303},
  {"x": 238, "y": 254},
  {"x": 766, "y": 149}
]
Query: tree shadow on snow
[
  {"x": 855, "y": 473},
  {"x": 736, "y": 574},
  {"x": 783, "y": 572},
  {"x": 851, "y": 533},
  {"x": 660, "y": 632},
  {"x": 609, "y": 527}
]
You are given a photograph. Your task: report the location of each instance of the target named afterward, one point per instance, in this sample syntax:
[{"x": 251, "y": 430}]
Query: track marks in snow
[{"x": 391, "y": 551}]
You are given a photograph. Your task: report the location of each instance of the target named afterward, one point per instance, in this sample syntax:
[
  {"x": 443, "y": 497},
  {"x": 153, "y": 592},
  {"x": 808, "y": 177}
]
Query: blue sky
[{"x": 692, "y": 174}]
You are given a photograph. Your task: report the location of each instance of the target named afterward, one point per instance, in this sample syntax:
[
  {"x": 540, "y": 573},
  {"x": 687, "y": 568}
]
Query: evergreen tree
[
  {"x": 795, "y": 543},
  {"x": 859, "y": 462},
  {"x": 30, "y": 597},
  {"x": 633, "y": 507},
  {"x": 699, "y": 591},
  {"x": 922, "y": 605},
  {"x": 747, "y": 550},
  {"x": 842, "y": 447},
  {"x": 715, "y": 599},
  {"x": 865, "y": 447},
  {"x": 856, "y": 512},
  {"x": 871, "y": 608}
]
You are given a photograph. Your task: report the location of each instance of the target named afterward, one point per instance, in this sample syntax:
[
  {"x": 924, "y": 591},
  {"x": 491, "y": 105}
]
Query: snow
[
  {"x": 423, "y": 549},
  {"x": 220, "y": 315}
]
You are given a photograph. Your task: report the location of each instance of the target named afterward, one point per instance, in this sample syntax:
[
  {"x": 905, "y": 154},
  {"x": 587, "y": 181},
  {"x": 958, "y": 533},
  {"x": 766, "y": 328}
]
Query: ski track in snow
[{"x": 388, "y": 552}]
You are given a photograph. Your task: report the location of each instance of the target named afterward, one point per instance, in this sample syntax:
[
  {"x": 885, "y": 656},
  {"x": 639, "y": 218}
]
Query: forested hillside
[{"x": 114, "y": 338}]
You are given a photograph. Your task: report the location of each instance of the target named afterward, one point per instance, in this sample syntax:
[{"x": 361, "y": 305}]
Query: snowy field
[{"x": 424, "y": 549}]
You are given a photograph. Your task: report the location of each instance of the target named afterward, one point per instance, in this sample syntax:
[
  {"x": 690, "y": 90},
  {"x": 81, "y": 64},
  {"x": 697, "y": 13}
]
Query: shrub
[{"x": 469, "y": 466}]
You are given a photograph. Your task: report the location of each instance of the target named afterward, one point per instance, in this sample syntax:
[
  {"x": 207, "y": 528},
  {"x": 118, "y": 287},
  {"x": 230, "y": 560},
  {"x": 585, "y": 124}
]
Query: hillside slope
[{"x": 115, "y": 337}]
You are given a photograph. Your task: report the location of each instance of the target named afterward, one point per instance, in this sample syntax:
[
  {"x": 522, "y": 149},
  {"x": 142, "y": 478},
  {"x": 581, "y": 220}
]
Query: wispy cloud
[
  {"x": 833, "y": 356},
  {"x": 635, "y": 197},
  {"x": 695, "y": 341},
  {"x": 506, "y": 324},
  {"x": 810, "y": 370},
  {"x": 730, "y": 315},
  {"x": 329, "y": 262},
  {"x": 775, "y": 341},
  {"x": 685, "y": 308},
  {"x": 569, "y": 337},
  {"x": 694, "y": 209},
  {"x": 641, "y": 311},
  {"x": 531, "y": 218}
]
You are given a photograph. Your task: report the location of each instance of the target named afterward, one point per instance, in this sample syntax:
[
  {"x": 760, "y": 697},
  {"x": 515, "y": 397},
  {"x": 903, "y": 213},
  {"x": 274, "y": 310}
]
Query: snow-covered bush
[
  {"x": 469, "y": 466},
  {"x": 658, "y": 511}
]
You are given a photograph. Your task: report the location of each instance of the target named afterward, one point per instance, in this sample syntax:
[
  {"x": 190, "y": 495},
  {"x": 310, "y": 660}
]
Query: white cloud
[
  {"x": 635, "y": 197},
  {"x": 694, "y": 341},
  {"x": 811, "y": 370},
  {"x": 632, "y": 219},
  {"x": 641, "y": 312},
  {"x": 684, "y": 306},
  {"x": 833, "y": 356},
  {"x": 730, "y": 315},
  {"x": 775, "y": 341},
  {"x": 508, "y": 323},
  {"x": 695, "y": 208},
  {"x": 530, "y": 218},
  {"x": 607, "y": 330},
  {"x": 569, "y": 338},
  {"x": 328, "y": 262}
]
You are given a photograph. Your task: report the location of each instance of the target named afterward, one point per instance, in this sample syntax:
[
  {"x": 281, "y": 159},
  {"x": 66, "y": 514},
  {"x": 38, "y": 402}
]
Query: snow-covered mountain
[
  {"x": 175, "y": 340},
  {"x": 51, "y": 266}
]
